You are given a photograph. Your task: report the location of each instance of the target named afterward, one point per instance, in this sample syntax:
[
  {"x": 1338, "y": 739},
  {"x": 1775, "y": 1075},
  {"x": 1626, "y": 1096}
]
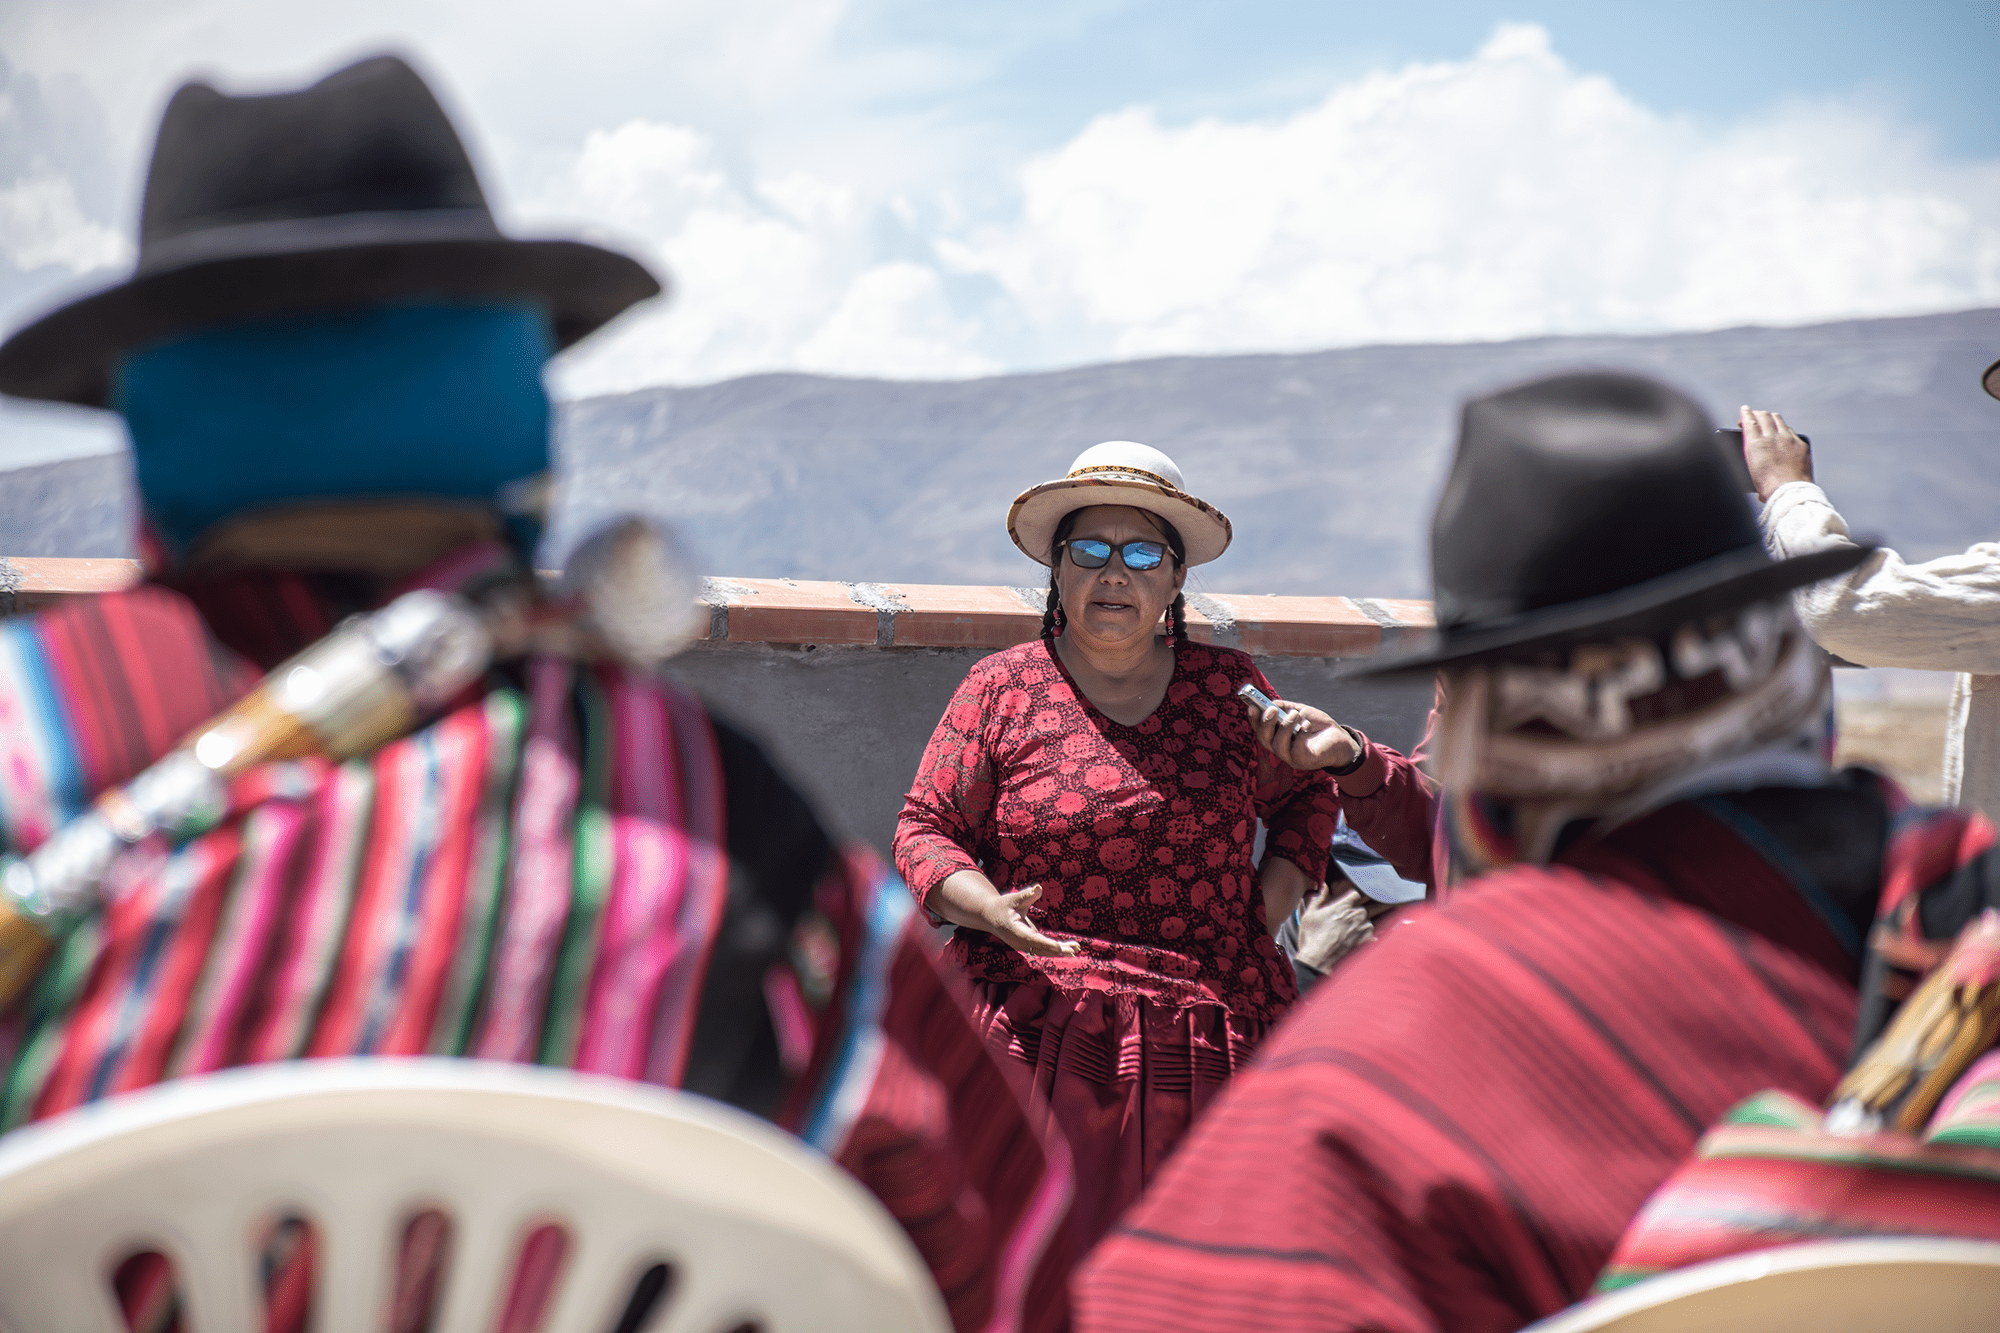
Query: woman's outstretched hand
[
  {"x": 968, "y": 899},
  {"x": 1301, "y": 735},
  {"x": 1006, "y": 922}
]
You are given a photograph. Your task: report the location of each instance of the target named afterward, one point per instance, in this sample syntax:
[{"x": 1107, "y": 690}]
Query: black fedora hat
[
  {"x": 351, "y": 193},
  {"x": 1588, "y": 507}
]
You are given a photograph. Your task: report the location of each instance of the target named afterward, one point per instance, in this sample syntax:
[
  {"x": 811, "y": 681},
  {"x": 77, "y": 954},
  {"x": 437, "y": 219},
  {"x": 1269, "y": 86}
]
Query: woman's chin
[{"x": 1114, "y": 630}]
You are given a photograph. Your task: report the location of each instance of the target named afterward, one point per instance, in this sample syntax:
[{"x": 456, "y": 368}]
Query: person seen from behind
[
  {"x": 329, "y": 361},
  {"x": 1663, "y": 905}
]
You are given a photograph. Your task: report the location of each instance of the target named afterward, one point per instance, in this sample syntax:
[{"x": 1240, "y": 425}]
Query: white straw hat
[{"x": 1118, "y": 472}]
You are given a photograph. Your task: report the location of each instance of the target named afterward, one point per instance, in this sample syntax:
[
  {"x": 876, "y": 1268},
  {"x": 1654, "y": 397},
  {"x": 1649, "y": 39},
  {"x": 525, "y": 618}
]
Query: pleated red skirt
[{"x": 1123, "y": 1077}]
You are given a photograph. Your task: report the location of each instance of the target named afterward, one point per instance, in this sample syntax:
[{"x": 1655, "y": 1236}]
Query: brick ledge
[{"x": 895, "y": 615}]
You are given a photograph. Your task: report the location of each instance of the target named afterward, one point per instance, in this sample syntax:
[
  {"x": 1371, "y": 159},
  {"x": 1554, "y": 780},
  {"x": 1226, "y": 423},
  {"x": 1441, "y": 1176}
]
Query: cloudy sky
[{"x": 962, "y": 187}]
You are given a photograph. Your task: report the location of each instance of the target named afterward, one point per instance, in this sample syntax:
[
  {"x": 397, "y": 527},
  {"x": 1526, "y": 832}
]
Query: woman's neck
[{"x": 1124, "y": 681}]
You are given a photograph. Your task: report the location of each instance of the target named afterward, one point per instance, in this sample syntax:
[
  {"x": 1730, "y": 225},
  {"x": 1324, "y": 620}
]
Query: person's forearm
[
  {"x": 1284, "y": 886},
  {"x": 1940, "y": 615},
  {"x": 931, "y": 843},
  {"x": 968, "y": 900},
  {"x": 963, "y": 898},
  {"x": 1398, "y": 819}
]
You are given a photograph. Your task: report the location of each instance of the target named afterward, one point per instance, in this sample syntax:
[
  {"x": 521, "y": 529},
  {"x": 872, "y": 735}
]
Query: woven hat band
[{"x": 1126, "y": 471}]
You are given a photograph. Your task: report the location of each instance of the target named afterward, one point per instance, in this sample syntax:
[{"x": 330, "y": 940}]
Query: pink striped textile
[{"x": 538, "y": 875}]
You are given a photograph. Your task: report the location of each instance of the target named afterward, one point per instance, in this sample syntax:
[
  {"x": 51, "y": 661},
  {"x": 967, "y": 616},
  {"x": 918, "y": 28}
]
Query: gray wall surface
[{"x": 848, "y": 725}]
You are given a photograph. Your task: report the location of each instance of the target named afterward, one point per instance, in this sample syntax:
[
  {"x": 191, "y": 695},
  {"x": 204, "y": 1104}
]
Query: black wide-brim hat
[
  {"x": 352, "y": 193},
  {"x": 1590, "y": 507}
]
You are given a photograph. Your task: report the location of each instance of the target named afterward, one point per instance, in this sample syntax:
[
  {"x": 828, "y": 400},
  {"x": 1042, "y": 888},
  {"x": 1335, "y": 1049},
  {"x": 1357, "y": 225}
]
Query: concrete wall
[
  {"x": 843, "y": 682},
  {"x": 848, "y": 724}
]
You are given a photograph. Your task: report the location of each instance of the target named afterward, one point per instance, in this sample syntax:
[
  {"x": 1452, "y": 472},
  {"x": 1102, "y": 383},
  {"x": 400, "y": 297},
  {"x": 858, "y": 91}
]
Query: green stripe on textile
[
  {"x": 344, "y": 832},
  {"x": 1967, "y": 1136},
  {"x": 592, "y": 855},
  {"x": 597, "y": 740},
  {"x": 1613, "y": 1279},
  {"x": 589, "y": 880},
  {"x": 1773, "y": 1108},
  {"x": 1853, "y": 1154},
  {"x": 50, "y": 1006},
  {"x": 486, "y": 876}
]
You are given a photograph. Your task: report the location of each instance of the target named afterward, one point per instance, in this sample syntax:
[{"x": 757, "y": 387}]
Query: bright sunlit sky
[{"x": 890, "y": 187}]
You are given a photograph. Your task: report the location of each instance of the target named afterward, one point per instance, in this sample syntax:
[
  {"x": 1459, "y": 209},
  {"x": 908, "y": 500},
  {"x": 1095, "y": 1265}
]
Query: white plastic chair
[
  {"x": 1905, "y": 1284},
  {"x": 756, "y": 1228}
]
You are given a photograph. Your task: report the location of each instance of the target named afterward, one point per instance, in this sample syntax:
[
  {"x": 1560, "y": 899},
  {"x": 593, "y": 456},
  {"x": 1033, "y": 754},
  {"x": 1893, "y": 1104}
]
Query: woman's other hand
[
  {"x": 968, "y": 899},
  {"x": 1301, "y": 735}
]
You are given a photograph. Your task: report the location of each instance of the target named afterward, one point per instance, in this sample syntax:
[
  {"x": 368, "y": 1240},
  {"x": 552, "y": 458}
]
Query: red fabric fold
[{"x": 1123, "y": 1077}]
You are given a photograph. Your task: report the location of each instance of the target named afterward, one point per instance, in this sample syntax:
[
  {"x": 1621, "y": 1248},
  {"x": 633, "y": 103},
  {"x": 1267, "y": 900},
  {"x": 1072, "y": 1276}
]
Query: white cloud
[
  {"x": 778, "y": 274},
  {"x": 827, "y": 202},
  {"x": 896, "y": 314},
  {"x": 1501, "y": 196},
  {"x": 42, "y": 224}
]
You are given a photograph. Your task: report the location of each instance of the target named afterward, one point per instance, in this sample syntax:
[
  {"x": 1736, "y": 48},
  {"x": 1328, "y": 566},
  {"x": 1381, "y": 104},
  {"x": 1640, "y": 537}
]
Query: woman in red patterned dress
[{"x": 1085, "y": 815}]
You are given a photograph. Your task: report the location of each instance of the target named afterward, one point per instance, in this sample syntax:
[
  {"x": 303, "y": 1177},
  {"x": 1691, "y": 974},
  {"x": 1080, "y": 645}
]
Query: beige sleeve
[{"x": 1942, "y": 615}]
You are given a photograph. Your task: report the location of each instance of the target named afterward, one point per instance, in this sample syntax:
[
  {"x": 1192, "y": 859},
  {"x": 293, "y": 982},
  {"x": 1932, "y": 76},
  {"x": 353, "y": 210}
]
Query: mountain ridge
[{"x": 1327, "y": 462}]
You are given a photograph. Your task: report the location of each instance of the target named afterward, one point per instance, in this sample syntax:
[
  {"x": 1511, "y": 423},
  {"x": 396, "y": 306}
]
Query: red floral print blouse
[{"x": 1140, "y": 836}]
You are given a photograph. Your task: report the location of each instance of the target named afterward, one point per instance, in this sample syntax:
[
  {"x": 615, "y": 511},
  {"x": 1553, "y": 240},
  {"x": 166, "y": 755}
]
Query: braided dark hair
[{"x": 1052, "y": 612}]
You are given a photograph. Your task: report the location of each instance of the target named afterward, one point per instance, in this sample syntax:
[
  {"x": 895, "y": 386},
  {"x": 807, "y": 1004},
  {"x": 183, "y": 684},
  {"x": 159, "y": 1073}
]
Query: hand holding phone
[
  {"x": 1773, "y": 452},
  {"x": 1264, "y": 702},
  {"x": 1304, "y": 736}
]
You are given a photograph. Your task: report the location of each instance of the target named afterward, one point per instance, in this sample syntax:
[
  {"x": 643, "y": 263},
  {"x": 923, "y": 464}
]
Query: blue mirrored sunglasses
[{"x": 1090, "y": 553}]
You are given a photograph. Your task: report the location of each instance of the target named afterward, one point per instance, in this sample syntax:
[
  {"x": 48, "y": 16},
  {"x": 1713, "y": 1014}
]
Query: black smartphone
[
  {"x": 1731, "y": 440},
  {"x": 1733, "y": 437}
]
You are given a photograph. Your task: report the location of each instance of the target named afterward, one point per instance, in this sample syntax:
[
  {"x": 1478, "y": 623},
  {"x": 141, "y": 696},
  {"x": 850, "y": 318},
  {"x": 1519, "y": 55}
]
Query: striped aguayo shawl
[
  {"x": 1769, "y": 1174},
  {"x": 536, "y": 876},
  {"x": 1456, "y": 1134}
]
